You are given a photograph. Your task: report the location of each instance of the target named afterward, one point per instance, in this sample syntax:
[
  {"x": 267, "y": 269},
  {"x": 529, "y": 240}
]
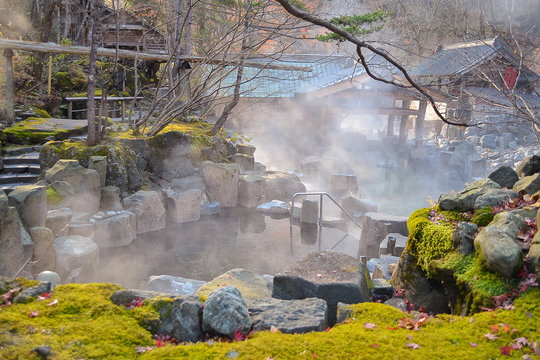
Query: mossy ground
[
  {"x": 85, "y": 324},
  {"x": 25, "y": 132}
]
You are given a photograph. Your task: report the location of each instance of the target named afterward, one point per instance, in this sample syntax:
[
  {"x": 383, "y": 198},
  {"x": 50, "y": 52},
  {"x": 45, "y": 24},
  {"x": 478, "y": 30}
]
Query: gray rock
[
  {"x": 85, "y": 183},
  {"x": 498, "y": 244},
  {"x": 221, "y": 182},
  {"x": 58, "y": 220},
  {"x": 282, "y": 186},
  {"x": 31, "y": 203},
  {"x": 183, "y": 206},
  {"x": 529, "y": 166},
  {"x": 534, "y": 255},
  {"x": 99, "y": 163},
  {"x": 75, "y": 252},
  {"x": 168, "y": 155},
  {"x": 173, "y": 285},
  {"x": 343, "y": 183},
  {"x": 288, "y": 316},
  {"x": 225, "y": 311},
  {"x": 309, "y": 212},
  {"x": 148, "y": 208},
  {"x": 188, "y": 183},
  {"x": 49, "y": 276},
  {"x": 397, "y": 303},
  {"x": 82, "y": 228},
  {"x": 344, "y": 312},
  {"x": 357, "y": 207},
  {"x": 246, "y": 149},
  {"x": 252, "y": 190},
  {"x": 275, "y": 207},
  {"x": 494, "y": 197},
  {"x": 43, "y": 252},
  {"x": 181, "y": 318},
  {"x": 463, "y": 237},
  {"x": 213, "y": 208},
  {"x": 381, "y": 289},
  {"x": 126, "y": 296},
  {"x": 327, "y": 275},
  {"x": 110, "y": 198},
  {"x": 465, "y": 199},
  {"x": 375, "y": 227},
  {"x": 382, "y": 268},
  {"x": 119, "y": 229},
  {"x": 11, "y": 247},
  {"x": 42, "y": 351},
  {"x": 65, "y": 195},
  {"x": 489, "y": 142},
  {"x": 31, "y": 292},
  {"x": 529, "y": 184},
  {"x": 259, "y": 167},
  {"x": 393, "y": 244},
  {"x": 245, "y": 162},
  {"x": 505, "y": 176}
]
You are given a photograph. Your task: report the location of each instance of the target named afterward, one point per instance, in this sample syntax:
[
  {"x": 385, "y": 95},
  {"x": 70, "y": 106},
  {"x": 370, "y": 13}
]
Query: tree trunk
[{"x": 90, "y": 103}]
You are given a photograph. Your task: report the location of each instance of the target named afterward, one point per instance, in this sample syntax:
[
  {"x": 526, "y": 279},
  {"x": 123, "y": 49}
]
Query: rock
[
  {"x": 357, "y": 207},
  {"x": 334, "y": 222},
  {"x": 85, "y": 183},
  {"x": 173, "y": 285},
  {"x": 397, "y": 303},
  {"x": 529, "y": 184},
  {"x": 188, "y": 183},
  {"x": 213, "y": 208},
  {"x": 42, "y": 351},
  {"x": 58, "y": 220},
  {"x": 225, "y": 311},
  {"x": 505, "y": 176},
  {"x": 497, "y": 241},
  {"x": 249, "y": 284},
  {"x": 252, "y": 190},
  {"x": 465, "y": 199},
  {"x": 245, "y": 162},
  {"x": 181, "y": 318},
  {"x": 31, "y": 204},
  {"x": 489, "y": 142},
  {"x": 343, "y": 183},
  {"x": 148, "y": 208},
  {"x": 246, "y": 149},
  {"x": 288, "y": 316},
  {"x": 11, "y": 247},
  {"x": 375, "y": 227},
  {"x": 126, "y": 296},
  {"x": 310, "y": 211},
  {"x": 382, "y": 270},
  {"x": 275, "y": 207},
  {"x": 534, "y": 255},
  {"x": 28, "y": 293},
  {"x": 417, "y": 289},
  {"x": 381, "y": 289},
  {"x": 221, "y": 182},
  {"x": 183, "y": 206},
  {"x": 110, "y": 198},
  {"x": 282, "y": 186},
  {"x": 49, "y": 276},
  {"x": 494, "y": 197},
  {"x": 463, "y": 237},
  {"x": 259, "y": 167},
  {"x": 527, "y": 212},
  {"x": 529, "y": 166},
  {"x": 99, "y": 163},
  {"x": 310, "y": 164},
  {"x": 393, "y": 244},
  {"x": 75, "y": 252},
  {"x": 344, "y": 312},
  {"x": 82, "y": 228},
  {"x": 327, "y": 275},
  {"x": 62, "y": 195},
  {"x": 168, "y": 155},
  {"x": 119, "y": 229},
  {"x": 43, "y": 252}
]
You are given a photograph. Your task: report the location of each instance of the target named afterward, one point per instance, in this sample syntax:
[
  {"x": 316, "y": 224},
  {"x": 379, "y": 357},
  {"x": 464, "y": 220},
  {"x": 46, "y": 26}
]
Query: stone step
[
  {"x": 28, "y": 158},
  {"x": 20, "y": 150},
  {"x": 17, "y": 178},
  {"x": 21, "y": 169}
]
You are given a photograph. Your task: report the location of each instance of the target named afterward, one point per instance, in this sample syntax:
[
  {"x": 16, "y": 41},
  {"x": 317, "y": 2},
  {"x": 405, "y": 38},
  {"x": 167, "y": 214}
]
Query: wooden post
[
  {"x": 10, "y": 88},
  {"x": 419, "y": 124},
  {"x": 70, "y": 110},
  {"x": 390, "y": 125},
  {"x": 50, "y": 74},
  {"x": 403, "y": 131},
  {"x": 123, "y": 109}
]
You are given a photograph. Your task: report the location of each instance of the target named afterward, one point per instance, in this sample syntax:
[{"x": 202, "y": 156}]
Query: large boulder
[
  {"x": 249, "y": 284},
  {"x": 110, "y": 198},
  {"x": 59, "y": 195},
  {"x": 494, "y": 197},
  {"x": 86, "y": 184},
  {"x": 465, "y": 199},
  {"x": 505, "y": 176},
  {"x": 115, "y": 228},
  {"x": 43, "y": 252},
  {"x": 529, "y": 184},
  {"x": 282, "y": 186},
  {"x": 357, "y": 207},
  {"x": 58, "y": 220},
  {"x": 169, "y": 155},
  {"x": 11, "y": 247},
  {"x": 183, "y": 206},
  {"x": 529, "y": 166},
  {"x": 498, "y": 243},
  {"x": 31, "y": 203},
  {"x": 252, "y": 190},
  {"x": 188, "y": 183},
  {"x": 225, "y": 312},
  {"x": 245, "y": 162},
  {"x": 181, "y": 318},
  {"x": 99, "y": 163},
  {"x": 463, "y": 237},
  {"x": 289, "y": 316},
  {"x": 75, "y": 256},
  {"x": 221, "y": 182},
  {"x": 309, "y": 212},
  {"x": 274, "y": 207},
  {"x": 173, "y": 285},
  {"x": 375, "y": 227},
  {"x": 327, "y": 275},
  {"x": 148, "y": 208}
]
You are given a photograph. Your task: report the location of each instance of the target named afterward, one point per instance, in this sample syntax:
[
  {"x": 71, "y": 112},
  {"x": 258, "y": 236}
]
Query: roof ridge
[{"x": 473, "y": 43}]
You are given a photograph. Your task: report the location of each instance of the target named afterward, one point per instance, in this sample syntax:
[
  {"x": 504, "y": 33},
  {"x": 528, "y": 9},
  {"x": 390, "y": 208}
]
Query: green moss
[
  {"x": 26, "y": 133},
  {"x": 483, "y": 216},
  {"x": 53, "y": 198},
  {"x": 42, "y": 113}
]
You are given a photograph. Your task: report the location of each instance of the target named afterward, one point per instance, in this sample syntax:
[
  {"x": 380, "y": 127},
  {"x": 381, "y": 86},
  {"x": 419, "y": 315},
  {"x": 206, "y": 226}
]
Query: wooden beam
[
  {"x": 130, "y": 54},
  {"x": 10, "y": 88}
]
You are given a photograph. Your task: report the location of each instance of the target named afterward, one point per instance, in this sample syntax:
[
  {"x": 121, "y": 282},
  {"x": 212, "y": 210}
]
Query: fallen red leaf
[
  {"x": 413, "y": 346},
  {"x": 33, "y": 314},
  {"x": 473, "y": 344},
  {"x": 491, "y": 336},
  {"x": 369, "y": 325},
  {"x": 54, "y": 302},
  {"x": 506, "y": 350},
  {"x": 374, "y": 346}
]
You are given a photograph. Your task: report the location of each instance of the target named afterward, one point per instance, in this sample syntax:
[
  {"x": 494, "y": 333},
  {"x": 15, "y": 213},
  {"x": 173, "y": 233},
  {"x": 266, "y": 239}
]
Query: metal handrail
[{"x": 321, "y": 194}]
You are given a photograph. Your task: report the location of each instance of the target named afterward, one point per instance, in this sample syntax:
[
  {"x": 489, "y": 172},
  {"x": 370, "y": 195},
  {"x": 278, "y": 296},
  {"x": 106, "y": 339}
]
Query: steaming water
[{"x": 209, "y": 247}]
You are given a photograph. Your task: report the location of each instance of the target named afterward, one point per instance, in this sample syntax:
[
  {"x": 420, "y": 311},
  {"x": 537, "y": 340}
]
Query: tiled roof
[{"x": 492, "y": 96}]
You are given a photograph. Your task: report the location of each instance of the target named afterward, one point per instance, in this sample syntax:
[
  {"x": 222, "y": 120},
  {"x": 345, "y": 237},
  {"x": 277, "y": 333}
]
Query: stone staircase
[{"x": 20, "y": 167}]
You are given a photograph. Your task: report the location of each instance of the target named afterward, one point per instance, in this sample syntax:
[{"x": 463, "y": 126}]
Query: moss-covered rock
[{"x": 34, "y": 131}]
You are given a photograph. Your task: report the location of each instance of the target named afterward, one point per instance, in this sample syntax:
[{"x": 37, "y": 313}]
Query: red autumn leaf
[
  {"x": 494, "y": 328},
  {"x": 491, "y": 336},
  {"x": 44, "y": 296},
  {"x": 269, "y": 358},
  {"x": 315, "y": 356},
  {"x": 239, "y": 335},
  {"x": 375, "y": 345},
  {"x": 392, "y": 328},
  {"x": 369, "y": 325},
  {"x": 327, "y": 329},
  {"x": 506, "y": 350},
  {"x": 473, "y": 344},
  {"x": 54, "y": 302},
  {"x": 413, "y": 346},
  {"x": 33, "y": 314}
]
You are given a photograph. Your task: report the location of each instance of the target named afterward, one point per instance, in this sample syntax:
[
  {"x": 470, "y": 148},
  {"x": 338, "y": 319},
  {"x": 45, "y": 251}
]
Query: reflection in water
[{"x": 206, "y": 248}]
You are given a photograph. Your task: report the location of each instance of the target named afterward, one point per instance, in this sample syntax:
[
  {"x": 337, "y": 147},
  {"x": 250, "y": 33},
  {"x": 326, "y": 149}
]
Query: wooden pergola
[{"x": 10, "y": 45}]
